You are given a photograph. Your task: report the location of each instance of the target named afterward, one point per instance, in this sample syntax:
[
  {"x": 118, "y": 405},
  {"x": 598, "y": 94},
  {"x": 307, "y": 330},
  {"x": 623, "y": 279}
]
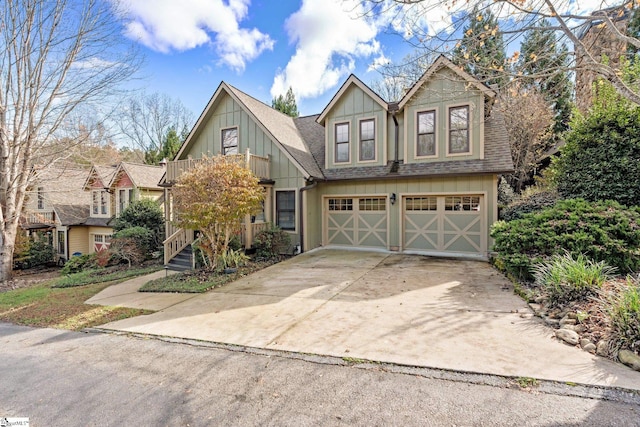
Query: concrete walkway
[{"x": 414, "y": 310}]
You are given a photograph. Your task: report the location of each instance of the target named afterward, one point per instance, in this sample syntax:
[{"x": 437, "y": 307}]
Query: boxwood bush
[{"x": 602, "y": 231}]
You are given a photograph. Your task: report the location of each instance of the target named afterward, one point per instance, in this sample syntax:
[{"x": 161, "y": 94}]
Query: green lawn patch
[
  {"x": 44, "y": 306},
  {"x": 201, "y": 280},
  {"x": 101, "y": 275}
]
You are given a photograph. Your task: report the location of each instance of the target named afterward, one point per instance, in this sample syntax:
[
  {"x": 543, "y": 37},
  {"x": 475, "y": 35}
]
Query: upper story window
[
  {"x": 125, "y": 197},
  {"x": 100, "y": 203},
  {"x": 342, "y": 143},
  {"x": 229, "y": 141},
  {"x": 459, "y": 130},
  {"x": 40, "y": 198},
  {"x": 367, "y": 140},
  {"x": 426, "y": 145}
]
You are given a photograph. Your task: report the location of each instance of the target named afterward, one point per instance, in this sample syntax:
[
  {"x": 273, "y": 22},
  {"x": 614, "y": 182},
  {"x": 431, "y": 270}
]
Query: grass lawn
[
  {"x": 43, "y": 305},
  {"x": 100, "y": 276},
  {"x": 201, "y": 281}
]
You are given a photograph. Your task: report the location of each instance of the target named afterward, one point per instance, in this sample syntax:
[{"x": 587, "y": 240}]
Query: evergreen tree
[
  {"x": 286, "y": 104},
  {"x": 543, "y": 64},
  {"x": 168, "y": 149},
  {"x": 481, "y": 51}
]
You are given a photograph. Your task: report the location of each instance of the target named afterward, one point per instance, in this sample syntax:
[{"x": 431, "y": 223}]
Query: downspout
[
  {"x": 396, "y": 162},
  {"x": 301, "y": 207}
]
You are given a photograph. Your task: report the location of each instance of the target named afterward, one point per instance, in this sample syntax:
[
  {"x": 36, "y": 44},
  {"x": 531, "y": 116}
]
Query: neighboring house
[
  {"x": 112, "y": 189},
  {"x": 55, "y": 200},
  {"x": 415, "y": 176}
]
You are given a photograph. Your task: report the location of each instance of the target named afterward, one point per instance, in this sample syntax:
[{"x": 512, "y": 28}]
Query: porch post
[{"x": 248, "y": 232}]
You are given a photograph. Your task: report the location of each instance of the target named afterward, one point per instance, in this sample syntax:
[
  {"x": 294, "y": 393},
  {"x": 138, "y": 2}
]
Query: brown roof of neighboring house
[
  {"x": 61, "y": 185},
  {"x": 72, "y": 214},
  {"x": 142, "y": 176},
  {"x": 101, "y": 172}
]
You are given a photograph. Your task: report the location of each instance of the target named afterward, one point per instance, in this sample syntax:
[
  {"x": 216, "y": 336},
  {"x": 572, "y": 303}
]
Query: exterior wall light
[{"x": 393, "y": 198}]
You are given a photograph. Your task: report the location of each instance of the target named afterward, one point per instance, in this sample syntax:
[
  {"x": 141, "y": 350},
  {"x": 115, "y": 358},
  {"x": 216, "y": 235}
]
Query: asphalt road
[{"x": 60, "y": 378}]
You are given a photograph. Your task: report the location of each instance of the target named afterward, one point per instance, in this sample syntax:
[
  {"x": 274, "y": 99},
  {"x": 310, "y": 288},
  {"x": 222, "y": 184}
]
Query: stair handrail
[{"x": 175, "y": 243}]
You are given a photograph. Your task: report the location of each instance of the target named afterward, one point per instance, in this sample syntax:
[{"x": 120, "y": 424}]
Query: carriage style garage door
[
  {"x": 453, "y": 224},
  {"x": 357, "y": 221}
]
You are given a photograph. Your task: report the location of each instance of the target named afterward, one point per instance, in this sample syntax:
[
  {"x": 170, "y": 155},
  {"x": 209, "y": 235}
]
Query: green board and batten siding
[{"x": 227, "y": 113}]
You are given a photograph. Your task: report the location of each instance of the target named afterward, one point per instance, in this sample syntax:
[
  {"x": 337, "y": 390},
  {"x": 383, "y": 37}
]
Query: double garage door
[{"x": 429, "y": 223}]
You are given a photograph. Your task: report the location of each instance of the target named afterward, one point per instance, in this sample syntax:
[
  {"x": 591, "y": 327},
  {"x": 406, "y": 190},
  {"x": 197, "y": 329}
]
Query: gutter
[
  {"x": 313, "y": 184},
  {"x": 396, "y": 162}
]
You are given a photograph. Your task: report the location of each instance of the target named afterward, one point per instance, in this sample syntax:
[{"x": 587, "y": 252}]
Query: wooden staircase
[{"x": 183, "y": 261}]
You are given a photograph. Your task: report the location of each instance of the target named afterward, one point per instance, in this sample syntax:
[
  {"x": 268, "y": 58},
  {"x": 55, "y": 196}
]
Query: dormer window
[
  {"x": 367, "y": 140},
  {"x": 342, "y": 143},
  {"x": 40, "y": 198},
  {"x": 426, "y": 144},
  {"x": 459, "y": 130},
  {"x": 229, "y": 141},
  {"x": 125, "y": 197},
  {"x": 100, "y": 203}
]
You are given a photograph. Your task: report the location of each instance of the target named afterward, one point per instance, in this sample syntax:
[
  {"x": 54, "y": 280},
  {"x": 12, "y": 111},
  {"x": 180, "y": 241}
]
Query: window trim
[
  {"x": 40, "y": 197},
  {"x": 222, "y": 148},
  {"x": 129, "y": 197},
  {"x": 469, "y": 111},
  {"x": 375, "y": 138},
  {"x": 417, "y": 134},
  {"x": 96, "y": 195},
  {"x": 294, "y": 210},
  {"x": 335, "y": 142}
]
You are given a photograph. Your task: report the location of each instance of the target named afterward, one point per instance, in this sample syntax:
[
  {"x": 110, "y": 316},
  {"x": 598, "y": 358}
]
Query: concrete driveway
[{"x": 408, "y": 309}]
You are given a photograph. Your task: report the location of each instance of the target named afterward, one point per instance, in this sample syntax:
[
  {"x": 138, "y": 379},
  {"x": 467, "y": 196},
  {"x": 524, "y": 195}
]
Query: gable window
[
  {"x": 286, "y": 209},
  {"x": 40, "y": 198},
  {"x": 342, "y": 142},
  {"x": 125, "y": 197},
  {"x": 99, "y": 202},
  {"x": 229, "y": 141},
  {"x": 426, "y": 134},
  {"x": 367, "y": 140},
  {"x": 459, "y": 130}
]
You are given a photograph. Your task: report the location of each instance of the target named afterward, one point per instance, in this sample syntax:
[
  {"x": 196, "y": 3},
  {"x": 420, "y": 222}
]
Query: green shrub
[
  {"x": 271, "y": 242},
  {"x": 566, "y": 279},
  {"x": 602, "y": 231},
  {"x": 232, "y": 259},
  {"x": 623, "y": 307},
  {"x": 40, "y": 252},
  {"x": 143, "y": 238},
  {"x": 78, "y": 263},
  {"x": 529, "y": 202},
  {"x": 143, "y": 213}
]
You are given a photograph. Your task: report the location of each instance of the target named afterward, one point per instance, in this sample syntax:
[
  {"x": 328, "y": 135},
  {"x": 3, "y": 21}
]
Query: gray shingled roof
[
  {"x": 72, "y": 214},
  {"x": 284, "y": 129},
  {"x": 496, "y": 151},
  {"x": 105, "y": 173},
  {"x": 61, "y": 185},
  {"x": 144, "y": 176}
]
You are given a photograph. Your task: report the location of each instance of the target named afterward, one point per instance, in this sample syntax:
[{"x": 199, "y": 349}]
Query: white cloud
[
  {"x": 166, "y": 25},
  {"x": 329, "y": 38}
]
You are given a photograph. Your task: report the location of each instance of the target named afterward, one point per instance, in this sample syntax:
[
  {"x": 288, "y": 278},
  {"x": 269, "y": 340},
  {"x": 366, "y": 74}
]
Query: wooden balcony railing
[
  {"x": 176, "y": 243},
  {"x": 257, "y": 164},
  {"x": 40, "y": 217}
]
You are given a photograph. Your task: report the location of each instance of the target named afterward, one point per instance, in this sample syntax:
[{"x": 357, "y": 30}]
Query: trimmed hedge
[
  {"x": 603, "y": 231},
  {"x": 533, "y": 202}
]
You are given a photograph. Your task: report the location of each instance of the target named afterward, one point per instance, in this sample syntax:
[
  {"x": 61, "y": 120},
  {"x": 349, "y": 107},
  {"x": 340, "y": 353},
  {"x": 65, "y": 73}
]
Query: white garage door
[
  {"x": 447, "y": 224},
  {"x": 357, "y": 222}
]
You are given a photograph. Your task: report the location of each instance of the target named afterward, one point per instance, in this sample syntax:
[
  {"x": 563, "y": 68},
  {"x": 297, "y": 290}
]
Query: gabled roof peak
[{"x": 352, "y": 80}]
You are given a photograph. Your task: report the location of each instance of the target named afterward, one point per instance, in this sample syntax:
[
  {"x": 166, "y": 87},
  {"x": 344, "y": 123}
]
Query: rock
[
  {"x": 567, "y": 321},
  {"x": 568, "y": 336},
  {"x": 552, "y": 322},
  {"x": 539, "y": 300},
  {"x": 571, "y": 315},
  {"x": 584, "y": 341},
  {"x": 555, "y": 314},
  {"x": 580, "y": 329},
  {"x": 630, "y": 359},
  {"x": 602, "y": 348},
  {"x": 591, "y": 348}
]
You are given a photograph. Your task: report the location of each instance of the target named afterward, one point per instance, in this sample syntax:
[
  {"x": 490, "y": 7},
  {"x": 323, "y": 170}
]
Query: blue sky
[{"x": 264, "y": 46}]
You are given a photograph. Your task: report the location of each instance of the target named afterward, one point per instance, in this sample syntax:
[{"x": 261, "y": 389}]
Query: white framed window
[
  {"x": 40, "y": 198},
  {"x": 125, "y": 197},
  {"x": 340, "y": 204},
  {"x": 229, "y": 141},
  {"x": 367, "y": 142},
  {"x": 459, "y": 130},
  {"x": 286, "y": 209},
  {"x": 99, "y": 203},
  {"x": 342, "y": 143},
  {"x": 426, "y": 134}
]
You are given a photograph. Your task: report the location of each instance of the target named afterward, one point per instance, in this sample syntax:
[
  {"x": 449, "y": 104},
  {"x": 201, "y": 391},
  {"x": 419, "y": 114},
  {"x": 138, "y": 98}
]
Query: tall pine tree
[
  {"x": 286, "y": 104},
  {"x": 543, "y": 65},
  {"x": 481, "y": 51}
]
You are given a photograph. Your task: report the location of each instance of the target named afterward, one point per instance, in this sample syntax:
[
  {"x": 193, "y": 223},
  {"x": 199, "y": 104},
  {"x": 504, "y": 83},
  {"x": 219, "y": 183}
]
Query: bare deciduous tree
[
  {"x": 56, "y": 56},
  {"x": 148, "y": 118},
  {"x": 516, "y": 17}
]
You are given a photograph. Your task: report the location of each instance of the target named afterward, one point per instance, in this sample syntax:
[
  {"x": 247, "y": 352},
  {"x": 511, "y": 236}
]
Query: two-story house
[{"x": 419, "y": 175}]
